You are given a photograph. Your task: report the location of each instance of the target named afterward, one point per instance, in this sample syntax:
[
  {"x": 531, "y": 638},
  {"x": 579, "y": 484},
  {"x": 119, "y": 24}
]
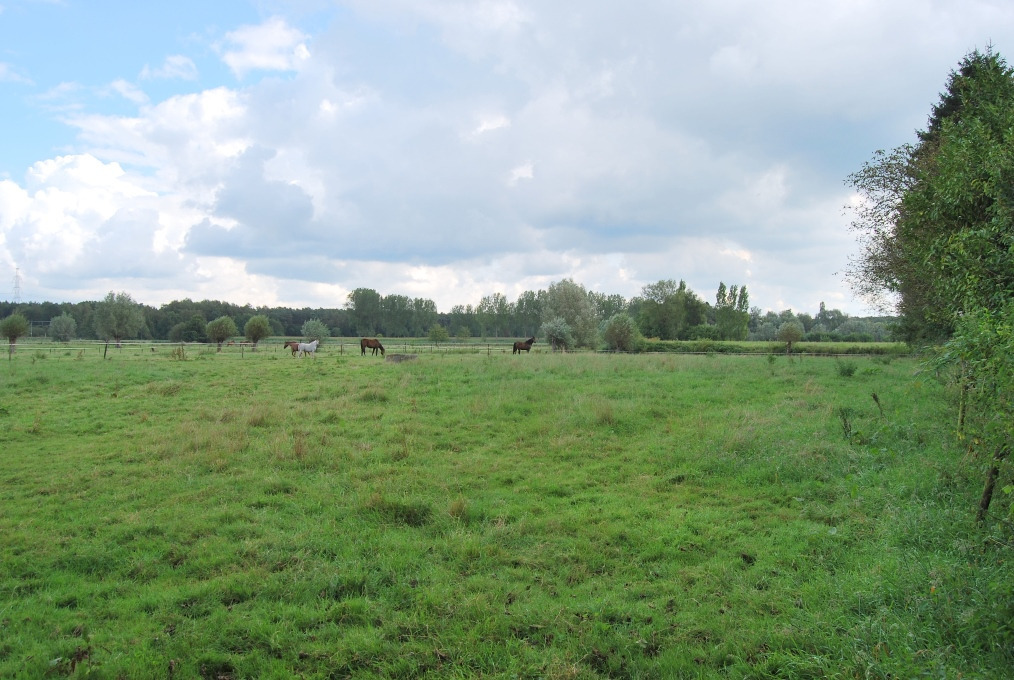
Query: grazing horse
[
  {"x": 526, "y": 345},
  {"x": 309, "y": 348},
  {"x": 373, "y": 344},
  {"x": 293, "y": 345}
]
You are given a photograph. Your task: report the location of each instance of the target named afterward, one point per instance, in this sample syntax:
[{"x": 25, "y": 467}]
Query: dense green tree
[
  {"x": 732, "y": 315},
  {"x": 396, "y": 315},
  {"x": 424, "y": 315},
  {"x": 12, "y": 328},
  {"x": 667, "y": 309},
  {"x": 438, "y": 334},
  {"x": 364, "y": 305},
  {"x": 256, "y": 329},
  {"x": 221, "y": 329},
  {"x": 193, "y": 329},
  {"x": 935, "y": 219},
  {"x": 528, "y": 312},
  {"x": 607, "y": 306},
  {"x": 62, "y": 328},
  {"x": 557, "y": 333},
  {"x": 118, "y": 317},
  {"x": 315, "y": 329},
  {"x": 463, "y": 316},
  {"x": 790, "y": 332},
  {"x": 569, "y": 301},
  {"x": 494, "y": 314},
  {"x": 620, "y": 333}
]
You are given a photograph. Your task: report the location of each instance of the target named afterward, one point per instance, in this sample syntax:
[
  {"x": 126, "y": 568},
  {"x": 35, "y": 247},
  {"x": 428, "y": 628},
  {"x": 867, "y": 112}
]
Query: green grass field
[{"x": 251, "y": 515}]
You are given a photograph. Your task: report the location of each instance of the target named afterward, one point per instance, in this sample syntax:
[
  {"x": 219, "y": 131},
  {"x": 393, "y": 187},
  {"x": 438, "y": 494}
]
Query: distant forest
[{"x": 666, "y": 310}]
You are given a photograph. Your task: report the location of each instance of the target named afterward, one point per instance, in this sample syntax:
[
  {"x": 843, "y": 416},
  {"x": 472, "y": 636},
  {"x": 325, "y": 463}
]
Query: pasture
[{"x": 253, "y": 515}]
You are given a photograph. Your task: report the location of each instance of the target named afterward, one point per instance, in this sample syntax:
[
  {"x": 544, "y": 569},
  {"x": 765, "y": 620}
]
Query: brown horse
[
  {"x": 526, "y": 345},
  {"x": 293, "y": 345},
  {"x": 373, "y": 344}
]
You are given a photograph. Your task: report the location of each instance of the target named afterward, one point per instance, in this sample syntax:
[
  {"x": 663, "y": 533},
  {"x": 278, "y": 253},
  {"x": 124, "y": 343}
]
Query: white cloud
[
  {"x": 175, "y": 66},
  {"x": 129, "y": 91},
  {"x": 8, "y": 74},
  {"x": 271, "y": 46},
  {"x": 450, "y": 149}
]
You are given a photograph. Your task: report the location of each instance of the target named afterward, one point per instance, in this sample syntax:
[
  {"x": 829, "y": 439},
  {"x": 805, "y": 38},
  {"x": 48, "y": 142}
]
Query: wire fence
[{"x": 39, "y": 347}]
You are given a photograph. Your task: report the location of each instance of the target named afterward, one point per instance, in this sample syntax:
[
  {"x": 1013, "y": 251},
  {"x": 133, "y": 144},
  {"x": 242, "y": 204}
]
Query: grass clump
[{"x": 846, "y": 368}]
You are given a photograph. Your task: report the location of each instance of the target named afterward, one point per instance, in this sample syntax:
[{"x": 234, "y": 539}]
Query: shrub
[
  {"x": 315, "y": 329},
  {"x": 621, "y": 334},
  {"x": 845, "y": 368}
]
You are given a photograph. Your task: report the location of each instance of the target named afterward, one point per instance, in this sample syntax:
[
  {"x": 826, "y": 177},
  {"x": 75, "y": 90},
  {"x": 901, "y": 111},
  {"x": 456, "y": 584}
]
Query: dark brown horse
[
  {"x": 526, "y": 345},
  {"x": 373, "y": 344},
  {"x": 293, "y": 345}
]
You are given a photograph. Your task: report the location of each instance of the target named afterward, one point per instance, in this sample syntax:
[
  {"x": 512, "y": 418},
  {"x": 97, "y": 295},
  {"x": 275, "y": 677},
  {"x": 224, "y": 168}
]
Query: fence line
[{"x": 343, "y": 347}]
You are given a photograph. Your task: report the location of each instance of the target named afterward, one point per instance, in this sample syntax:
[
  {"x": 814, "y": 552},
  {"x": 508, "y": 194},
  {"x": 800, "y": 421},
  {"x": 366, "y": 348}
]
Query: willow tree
[
  {"x": 118, "y": 317},
  {"x": 12, "y": 328}
]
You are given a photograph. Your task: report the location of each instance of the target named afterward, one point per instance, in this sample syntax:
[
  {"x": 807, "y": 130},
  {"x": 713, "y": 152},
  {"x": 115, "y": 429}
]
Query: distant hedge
[{"x": 769, "y": 347}]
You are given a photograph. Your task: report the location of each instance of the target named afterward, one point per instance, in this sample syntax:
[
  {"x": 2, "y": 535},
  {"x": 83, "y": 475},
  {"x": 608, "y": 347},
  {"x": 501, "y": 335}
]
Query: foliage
[
  {"x": 194, "y": 329},
  {"x": 845, "y": 368},
  {"x": 732, "y": 312},
  {"x": 364, "y": 305},
  {"x": 935, "y": 218},
  {"x": 790, "y": 332},
  {"x": 937, "y": 226},
  {"x": 256, "y": 329},
  {"x": 880, "y": 349},
  {"x": 118, "y": 317},
  {"x": 557, "y": 333},
  {"x": 438, "y": 334},
  {"x": 315, "y": 329},
  {"x": 620, "y": 333},
  {"x": 570, "y": 302},
  {"x": 400, "y": 316},
  {"x": 667, "y": 309},
  {"x": 494, "y": 313},
  {"x": 221, "y": 329},
  {"x": 62, "y": 328},
  {"x": 13, "y": 327}
]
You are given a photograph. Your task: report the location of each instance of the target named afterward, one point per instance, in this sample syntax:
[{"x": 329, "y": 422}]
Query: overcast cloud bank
[{"x": 450, "y": 150}]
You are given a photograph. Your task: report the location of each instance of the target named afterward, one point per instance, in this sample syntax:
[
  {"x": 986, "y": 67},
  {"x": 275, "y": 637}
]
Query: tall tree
[
  {"x": 364, "y": 304},
  {"x": 118, "y": 317},
  {"x": 732, "y": 315},
  {"x": 569, "y": 301},
  {"x": 667, "y": 309},
  {"x": 937, "y": 227},
  {"x": 934, "y": 219}
]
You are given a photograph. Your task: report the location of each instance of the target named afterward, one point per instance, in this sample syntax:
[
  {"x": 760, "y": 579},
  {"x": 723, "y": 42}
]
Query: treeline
[{"x": 667, "y": 310}]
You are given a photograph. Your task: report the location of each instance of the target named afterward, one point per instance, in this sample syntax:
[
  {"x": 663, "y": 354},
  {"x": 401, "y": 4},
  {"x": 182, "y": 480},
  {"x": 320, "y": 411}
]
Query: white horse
[{"x": 309, "y": 347}]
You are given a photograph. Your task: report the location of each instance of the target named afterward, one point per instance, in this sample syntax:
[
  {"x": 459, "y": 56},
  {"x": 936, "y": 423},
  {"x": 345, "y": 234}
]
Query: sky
[{"x": 286, "y": 153}]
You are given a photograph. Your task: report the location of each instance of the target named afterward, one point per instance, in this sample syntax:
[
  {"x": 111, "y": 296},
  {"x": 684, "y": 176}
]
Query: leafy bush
[
  {"x": 557, "y": 333},
  {"x": 846, "y": 368},
  {"x": 621, "y": 334},
  {"x": 315, "y": 329},
  {"x": 62, "y": 328}
]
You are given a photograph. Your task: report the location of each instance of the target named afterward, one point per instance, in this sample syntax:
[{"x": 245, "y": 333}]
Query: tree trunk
[{"x": 987, "y": 491}]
